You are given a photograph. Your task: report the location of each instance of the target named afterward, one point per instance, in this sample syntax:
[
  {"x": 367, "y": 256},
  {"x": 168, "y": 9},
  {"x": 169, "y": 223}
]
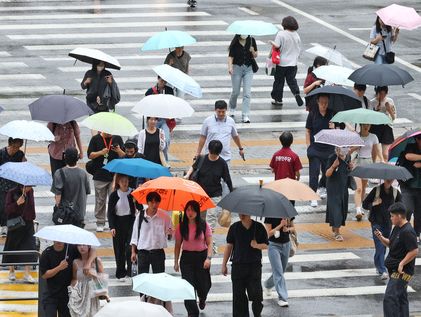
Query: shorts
[{"x": 383, "y": 132}]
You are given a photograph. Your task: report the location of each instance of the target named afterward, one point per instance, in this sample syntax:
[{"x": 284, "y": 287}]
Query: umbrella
[
  {"x": 163, "y": 106},
  {"x": 175, "y": 192},
  {"x": 256, "y": 201},
  {"x": 337, "y": 75},
  {"x": 168, "y": 39},
  {"x": 134, "y": 308},
  {"x": 58, "y": 109},
  {"x": 292, "y": 189},
  {"x": 381, "y": 75},
  {"x": 91, "y": 56},
  {"x": 381, "y": 171},
  {"x": 340, "y": 98},
  {"x": 27, "y": 130},
  {"x": 111, "y": 123},
  {"x": 137, "y": 167},
  {"x": 25, "y": 173},
  {"x": 330, "y": 54},
  {"x": 400, "y": 16},
  {"x": 340, "y": 138},
  {"x": 361, "y": 116},
  {"x": 163, "y": 286},
  {"x": 179, "y": 79},
  {"x": 252, "y": 27},
  {"x": 68, "y": 234},
  {"x": 402, "y": 141}
]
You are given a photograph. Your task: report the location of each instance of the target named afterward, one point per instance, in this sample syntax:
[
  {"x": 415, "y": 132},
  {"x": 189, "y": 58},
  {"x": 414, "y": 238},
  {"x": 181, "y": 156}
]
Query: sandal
[{"x": 339, "y": 238}]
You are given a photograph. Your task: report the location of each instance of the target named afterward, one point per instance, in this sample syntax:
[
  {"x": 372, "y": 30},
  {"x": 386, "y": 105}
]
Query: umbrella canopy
[
  {"x": 25, "y": 173},
  {"x": 168, "y": 39},
  {"x": 340, "y": 98},
  {"x": 91, "y": 56},
  {"x": 256, "y": 201},
  {"x": 27, "y": 130},
  {"x": 163, "y": 106},
  {"x": 400, "y": 16},
  {"x": 178, "y": 79},
  {"x": 340, "y": 138},
  {"x": 337, "y": 75},
  {"x": 361, "y": 116},
  {"x": 175, "y": 192},
  {"x": 252, "y": 27},
  {"x": 111, "y": 123},
  {"x": 331, "y": 54},
  {"x": 402, "y": 141},
  {"x": 163, "y": 286},
  {"x": 137, "y": 167},
  {"x": 58, "y": 109},
  {"x": 381, "y": 171},
  {"x": 381, "y": 75},
  {"x": 134, "y": 308},
  {"x": 68, "y": 234},
  {"x": 292, "y": 189}
]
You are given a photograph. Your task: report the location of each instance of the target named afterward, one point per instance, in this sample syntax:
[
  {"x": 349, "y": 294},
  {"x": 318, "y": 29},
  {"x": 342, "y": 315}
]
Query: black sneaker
[
  {"x": 202, "y": 303},
  {"x": 299, "y": 100},
  {"x": 277, "y": 103}
]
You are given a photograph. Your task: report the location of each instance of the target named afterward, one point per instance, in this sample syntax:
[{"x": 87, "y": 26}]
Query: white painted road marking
[{"x": 248, "y": 11}]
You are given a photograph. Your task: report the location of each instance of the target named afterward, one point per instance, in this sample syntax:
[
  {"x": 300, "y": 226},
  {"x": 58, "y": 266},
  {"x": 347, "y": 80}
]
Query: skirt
[
  {"x": 383, "y": 132},
  {"x": 18, "y": 240}
]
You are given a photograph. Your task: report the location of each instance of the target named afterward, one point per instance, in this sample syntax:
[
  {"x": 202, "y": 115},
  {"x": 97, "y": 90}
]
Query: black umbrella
[
  {"x": 381, "y": 171},
  {"x": 340, "y": 98},
  {"x": 381, "y": 75},
  {"x": 256, "y": 201}
]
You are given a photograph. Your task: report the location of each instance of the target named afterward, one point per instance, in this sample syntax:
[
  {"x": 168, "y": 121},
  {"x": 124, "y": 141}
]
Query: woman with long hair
[
  {"x": 312, "y": 82},
  {"x": 383, "y": 36}
]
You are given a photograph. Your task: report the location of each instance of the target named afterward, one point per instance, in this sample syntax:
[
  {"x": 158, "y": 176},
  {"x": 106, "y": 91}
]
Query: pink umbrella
[{"x": 400, "y": 16}]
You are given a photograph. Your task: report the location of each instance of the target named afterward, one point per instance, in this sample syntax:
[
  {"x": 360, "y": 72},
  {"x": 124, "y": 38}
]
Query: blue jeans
[
  {"x": 240, "y": 74},
  {"x": 395, "y": 302},
  {"x": 380, "y": 248},
  {"x": 162, "y": 124},
  {"x": 380, "y": 59},
  {"x": 278, "y": 256}
]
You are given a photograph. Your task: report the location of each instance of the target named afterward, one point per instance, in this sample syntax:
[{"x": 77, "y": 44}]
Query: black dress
[{"x": 151, "y": 151}]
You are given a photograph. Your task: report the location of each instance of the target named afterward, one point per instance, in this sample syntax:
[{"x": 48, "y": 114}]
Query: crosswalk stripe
[
  {"x": 19, "y": 306},
  {"x": 21, "y": 76},
  {"x": 12, "y": 64},
  {"x": 4, "y": 54},
  {"x": 17, "y": 294},
  {"x": 31, "y": 90}
]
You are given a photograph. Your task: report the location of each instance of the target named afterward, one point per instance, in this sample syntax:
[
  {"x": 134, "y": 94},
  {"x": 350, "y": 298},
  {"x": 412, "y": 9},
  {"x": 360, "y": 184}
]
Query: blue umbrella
[
  {"x": 168, "y": 39},
  {"x": 25, "y": 173},
  {"x": 137, "y": 167},
  {"x": 252, "y": 27}
]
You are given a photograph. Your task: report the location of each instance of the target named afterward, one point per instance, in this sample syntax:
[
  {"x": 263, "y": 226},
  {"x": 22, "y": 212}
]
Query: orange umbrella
[
  {"x": 292, "y": 189},
  {"x": 175, "y": 192}
]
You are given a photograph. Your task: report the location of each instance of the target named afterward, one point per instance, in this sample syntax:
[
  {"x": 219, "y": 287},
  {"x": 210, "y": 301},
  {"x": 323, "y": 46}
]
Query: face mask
[
  {"x": 100, "y": 68},
  {"x": 344, "y": 151},
  {"x": 244, "y": 36}
]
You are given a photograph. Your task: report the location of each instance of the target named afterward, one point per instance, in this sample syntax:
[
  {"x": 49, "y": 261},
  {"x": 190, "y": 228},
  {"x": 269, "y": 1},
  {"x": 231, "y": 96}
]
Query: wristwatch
[
  {"x": 240, "y": 148},
  {"x": 209, "y": 258}
]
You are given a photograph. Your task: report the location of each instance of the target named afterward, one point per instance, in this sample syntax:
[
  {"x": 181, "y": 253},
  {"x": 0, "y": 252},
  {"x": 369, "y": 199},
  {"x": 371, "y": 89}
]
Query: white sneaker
[
  {"x": 282, "y": 303},
  {"x": 384, "y": 276},
  {"x": 12, "y": 276},
  {"x": 99, "y": 228},
  {"x": 28, "y": 279},
  {"x": 313, "y": 203},
  {"x": 268, "y": 291},
  {"x": 322, "y": 192},
  {"x": 3, "y": 231},
  {"x": 246, "y": 119},
  {"x": 122, "y": 279}
]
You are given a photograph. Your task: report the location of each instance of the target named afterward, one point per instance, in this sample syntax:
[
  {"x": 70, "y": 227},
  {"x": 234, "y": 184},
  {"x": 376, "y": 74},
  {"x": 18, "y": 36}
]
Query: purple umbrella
[{"x": 339, "y": 138}]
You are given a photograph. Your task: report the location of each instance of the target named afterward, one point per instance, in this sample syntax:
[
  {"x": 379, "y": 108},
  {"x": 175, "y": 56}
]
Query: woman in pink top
[{"x": 195, "y": 235}]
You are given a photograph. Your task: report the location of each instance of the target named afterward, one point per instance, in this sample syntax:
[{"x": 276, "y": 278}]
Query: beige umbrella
[{"x": 292, "y": 189}]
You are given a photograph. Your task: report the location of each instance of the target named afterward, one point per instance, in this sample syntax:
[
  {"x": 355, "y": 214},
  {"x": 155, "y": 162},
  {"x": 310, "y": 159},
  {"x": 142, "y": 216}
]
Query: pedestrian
[
  {"x": 400, "y": 262},
  {"x": 378, "y": 202},
  {"x": 192, "y": 3},
  {"x": 20, "y": 203},
  {"x": 71, "y": 185},
  {"x": 65, "y": 136},
  {"x": 103, "y": 148},
  {"x": 151, "y": 142},
  {"x": 180, "y": 59},
  {"x": 318, "y": 153},
  {"x": 384, "y": 132},
  {"x": 383, "y": 36},
  {"x": 131, "y": 150},
  {"x": 194, "y": 236},
  {"x": 241, "y": 56},
  {"x": 245, "y": 241},
  {"x": 285, "y": 163},
  {"x": 337, "y": 181},
  {"x": 289, "y": 43},
  {"x": 121, "y": 215},
  {"x": 10, "y": 153},
  {"x": 312, "y": 82},
  {"x": 359, "y": 90}
]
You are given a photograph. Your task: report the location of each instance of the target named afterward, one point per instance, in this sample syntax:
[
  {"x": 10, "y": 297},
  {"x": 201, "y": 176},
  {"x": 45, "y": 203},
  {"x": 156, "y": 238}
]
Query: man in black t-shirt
[
  {"x": 245, "y": 241},
  {"x": 400, "y": 262}
]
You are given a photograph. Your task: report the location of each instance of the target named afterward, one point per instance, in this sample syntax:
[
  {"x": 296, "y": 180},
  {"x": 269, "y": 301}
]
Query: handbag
[
  {"x": 269, "y": 68},
  {"x": 99, "y": 284},
  {"x": 293, "y": 244},
  {"x": 90, "y": 167},
  {"x": 224, "y": 218},
  {"x": 254, "y": 65},
  {"x": 15, "y": 223},
  {"x": 371, "y": 52},
  {"x": 390, "y": 56},
  {"x": 194, "y": 176},
  {"x": 276, "y": 55}
]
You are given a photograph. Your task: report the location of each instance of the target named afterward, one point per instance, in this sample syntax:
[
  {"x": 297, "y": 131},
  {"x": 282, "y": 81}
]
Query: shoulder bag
[
  {"x": 389, "y": 56},
  {"x": 194, "y": 176},
  {"x": 371, "y": 52},
  {"x": 15, "y": 222},
  {"x": 293, "y": 241}
]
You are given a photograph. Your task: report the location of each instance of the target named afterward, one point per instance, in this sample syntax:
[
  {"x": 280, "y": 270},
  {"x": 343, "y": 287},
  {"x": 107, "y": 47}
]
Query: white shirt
[
  {"x": 374, "y": 105},
  {"x": 122, "y": 208},
  {"x": 289, "y": 43},
  {"x": 153, "y": 233},
  {"x": 369, "y": 142}
]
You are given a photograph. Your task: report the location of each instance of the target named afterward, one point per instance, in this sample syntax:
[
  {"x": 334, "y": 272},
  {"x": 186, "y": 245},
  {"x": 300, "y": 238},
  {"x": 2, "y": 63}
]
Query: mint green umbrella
[
  {"x": 361, "y": 116},
  {"x": 111, "y": 123},
  {"x": 252, "y": 27}
]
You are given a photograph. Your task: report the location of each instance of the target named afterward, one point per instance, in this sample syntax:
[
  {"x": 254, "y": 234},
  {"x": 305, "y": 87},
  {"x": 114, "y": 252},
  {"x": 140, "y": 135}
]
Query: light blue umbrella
[
  {"x": 25, "y": 173},
  {"x": 137, "y": 167},
  {"x": 252, "y": 27},
  {"x": 168, "y": 39}
]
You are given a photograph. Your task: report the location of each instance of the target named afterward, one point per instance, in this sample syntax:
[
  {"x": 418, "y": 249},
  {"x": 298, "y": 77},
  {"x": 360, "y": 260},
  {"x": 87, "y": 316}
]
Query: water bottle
[{"x": 134, "y": 269}]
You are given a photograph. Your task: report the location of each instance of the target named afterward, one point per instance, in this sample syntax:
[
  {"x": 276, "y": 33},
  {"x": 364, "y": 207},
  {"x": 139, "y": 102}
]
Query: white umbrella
[
  {"x": 91, "y": 55},
  {"x": 330, "y": 54},
  {"x": 179, "y": 80},
  {"x": 133, "y": 308},
  {"x": 27, "y": 130},
  {"x": 334, "y": 74},
  {"x": 68, "y": 234},
  {"x": 163, "y": 106}
]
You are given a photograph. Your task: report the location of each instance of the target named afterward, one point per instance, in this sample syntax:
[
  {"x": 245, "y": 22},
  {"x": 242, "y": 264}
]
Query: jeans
[
  {"x": 395, "y": 302},
  {"x": 282, "y": 73},
  {"x": 380, "y": 248},
  {"x": 162, "y": 124},
  {"x": 411, "y": 197},
  {"x": 102, "y": 190},
  {"x": 240, "y": 74},
  {"x": 278, "y": 256},
  {"x": 317, "y": 163},
  {"x": 380, "y": 59}
]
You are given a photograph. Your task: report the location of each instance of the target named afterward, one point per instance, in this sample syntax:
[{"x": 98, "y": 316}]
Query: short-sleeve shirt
[
  {"x": 402, "y": 240},
  {"x": 415, "y": 181},
  {"x": 315, "y": 123},
  {"x": 179, "y": 62},
  {"x": 241, "y": 54},
  {"x": 310, "y": 78},
  {"x": 387, "y": 40},
  {"x": 376, "y": 106},
  {"x": 222, "y": 130},
  {"x": 193, "y": 244},
  {"x": 289, "y": 43},
  {"x": 66, "y": 134},
  {"x": 285, "y": 163},
  {"x": 241, "y": 237},
  {"x": 369, "y": 142},
  {"x": 283, "y": 236}
]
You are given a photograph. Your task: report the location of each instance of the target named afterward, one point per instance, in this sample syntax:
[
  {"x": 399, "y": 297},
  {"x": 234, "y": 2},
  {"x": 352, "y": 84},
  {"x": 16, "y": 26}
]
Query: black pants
[
  {"x": 55, "y": 165},
  {"x": 412, "y": 199},
  {"x": 317, "y": 164},
  {"x": 395, "y": 302},
  {"x": 3, "y": 215},
  {"x": 121, "y": 245},
  {"x": 54, "y": 306},
  {"x": 152, "y": 258},
  {"x": 282, "y": 73},
  {"x": 246, "y": 277},
  {"x": 191, "y": 265}
]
